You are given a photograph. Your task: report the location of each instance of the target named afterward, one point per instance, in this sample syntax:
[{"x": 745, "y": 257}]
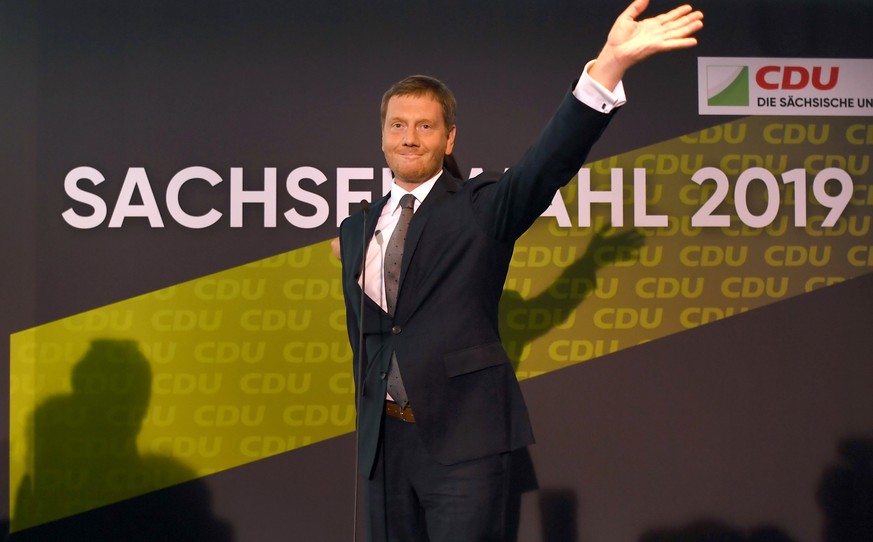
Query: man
[{"x": 434, "y": 455}]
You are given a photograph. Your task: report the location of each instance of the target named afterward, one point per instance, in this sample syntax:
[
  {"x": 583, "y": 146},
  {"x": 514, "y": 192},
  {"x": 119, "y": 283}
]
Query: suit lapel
[{"x": 444, "y": 188}]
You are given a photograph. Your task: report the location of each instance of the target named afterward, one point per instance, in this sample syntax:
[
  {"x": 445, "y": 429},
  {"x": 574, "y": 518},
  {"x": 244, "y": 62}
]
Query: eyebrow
[{"x": 425, "y": 120}]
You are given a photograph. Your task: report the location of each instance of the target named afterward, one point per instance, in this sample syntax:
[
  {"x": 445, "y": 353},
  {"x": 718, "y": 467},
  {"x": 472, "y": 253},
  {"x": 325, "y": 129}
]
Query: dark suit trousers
[{"x": 413, "y": 498}]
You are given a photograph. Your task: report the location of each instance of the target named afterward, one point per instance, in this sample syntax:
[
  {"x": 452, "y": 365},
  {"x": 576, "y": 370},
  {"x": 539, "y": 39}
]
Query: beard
[{"x": 416, "y": 170}]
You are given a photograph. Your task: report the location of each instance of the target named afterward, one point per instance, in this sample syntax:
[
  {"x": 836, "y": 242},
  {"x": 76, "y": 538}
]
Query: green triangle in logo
[{"x": 736, "y": 93}]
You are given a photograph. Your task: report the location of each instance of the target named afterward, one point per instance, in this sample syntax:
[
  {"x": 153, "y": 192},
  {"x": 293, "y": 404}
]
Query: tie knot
[{"x": 407, "y": 201}]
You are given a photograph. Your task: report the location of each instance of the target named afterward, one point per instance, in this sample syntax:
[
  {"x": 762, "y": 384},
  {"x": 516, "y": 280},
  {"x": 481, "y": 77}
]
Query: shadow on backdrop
[
  {"x": 715, "y": 531},
  {"x": 558, "y": 515},
  {"x": 82, "y": 456},
  {"x": 557, "y": 507},
  {"x": 603, "y": 250},
  {"x": 845, "y": 495}
]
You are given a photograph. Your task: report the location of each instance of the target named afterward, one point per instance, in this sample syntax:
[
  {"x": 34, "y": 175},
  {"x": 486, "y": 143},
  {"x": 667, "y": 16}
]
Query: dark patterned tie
[{"x": 391, "y": 275}]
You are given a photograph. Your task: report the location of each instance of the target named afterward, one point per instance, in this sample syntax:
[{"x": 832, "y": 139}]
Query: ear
[{"x": 450, "y": 144}]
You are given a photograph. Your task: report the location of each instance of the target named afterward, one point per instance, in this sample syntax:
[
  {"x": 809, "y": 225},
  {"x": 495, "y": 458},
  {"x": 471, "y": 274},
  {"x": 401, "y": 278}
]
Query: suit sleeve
[
  {"x": 349, "y": 247},
  {"x": 507, "y": 208}
]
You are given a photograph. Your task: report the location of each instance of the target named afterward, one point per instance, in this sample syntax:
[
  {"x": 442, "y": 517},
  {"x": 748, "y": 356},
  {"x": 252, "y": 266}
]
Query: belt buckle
[{"x": 404, "y": 414}]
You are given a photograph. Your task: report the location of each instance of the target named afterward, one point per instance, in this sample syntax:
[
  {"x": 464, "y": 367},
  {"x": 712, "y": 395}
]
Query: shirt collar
[{"x": 420, "y": 192}]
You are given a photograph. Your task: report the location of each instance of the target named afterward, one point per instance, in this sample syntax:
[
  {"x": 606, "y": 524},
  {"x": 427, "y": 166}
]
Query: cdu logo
[
  {"x": 785, "y": 86},
  {"x": 727, "y": 86}
]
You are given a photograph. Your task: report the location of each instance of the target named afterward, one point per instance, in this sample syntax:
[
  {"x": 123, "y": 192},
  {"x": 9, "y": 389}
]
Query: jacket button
[
  {"x": 383, "y": 376},
  {"x": 396, "y": 330}
]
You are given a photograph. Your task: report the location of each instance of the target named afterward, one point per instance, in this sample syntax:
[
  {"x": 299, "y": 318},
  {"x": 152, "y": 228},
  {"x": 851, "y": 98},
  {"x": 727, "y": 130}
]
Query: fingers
[
  {"x": 682, "y": 36},
  {"x": 677, "y": 28},
  {"x": 681, "y": 22},
  {"x": 674, "y": 14},
  {"x": 636, "y": 9},
  {"x": 335, "y": 247},
  {"x": 683, "y": 43},
  {"x": 687, "y": 24}
]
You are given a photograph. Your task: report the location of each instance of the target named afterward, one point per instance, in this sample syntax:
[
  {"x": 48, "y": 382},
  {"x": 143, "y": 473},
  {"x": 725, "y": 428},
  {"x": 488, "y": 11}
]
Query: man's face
[{"x": 415, "y": 138}]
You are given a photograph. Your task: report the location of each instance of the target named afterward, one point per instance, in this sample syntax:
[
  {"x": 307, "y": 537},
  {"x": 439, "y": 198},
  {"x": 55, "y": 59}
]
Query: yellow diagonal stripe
[{"x": 169, "y": 386}]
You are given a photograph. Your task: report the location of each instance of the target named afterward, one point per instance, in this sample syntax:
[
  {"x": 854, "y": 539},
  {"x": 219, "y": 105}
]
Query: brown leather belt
[{"x": 395, "y": 411}]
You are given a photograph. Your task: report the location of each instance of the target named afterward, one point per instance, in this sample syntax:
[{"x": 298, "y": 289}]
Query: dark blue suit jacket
[{"x": 459, "y": 380}]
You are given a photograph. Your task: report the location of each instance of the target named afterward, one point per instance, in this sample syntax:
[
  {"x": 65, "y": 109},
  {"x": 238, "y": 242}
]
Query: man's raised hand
[{"x": 632, "y": 40}]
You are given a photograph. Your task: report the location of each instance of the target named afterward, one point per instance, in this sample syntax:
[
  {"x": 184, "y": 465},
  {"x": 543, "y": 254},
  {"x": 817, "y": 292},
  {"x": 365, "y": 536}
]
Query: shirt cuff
[{"x": 595, "y": 95}]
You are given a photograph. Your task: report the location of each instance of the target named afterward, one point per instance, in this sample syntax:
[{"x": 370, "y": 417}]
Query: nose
[{"x": 410, "y": 138}]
